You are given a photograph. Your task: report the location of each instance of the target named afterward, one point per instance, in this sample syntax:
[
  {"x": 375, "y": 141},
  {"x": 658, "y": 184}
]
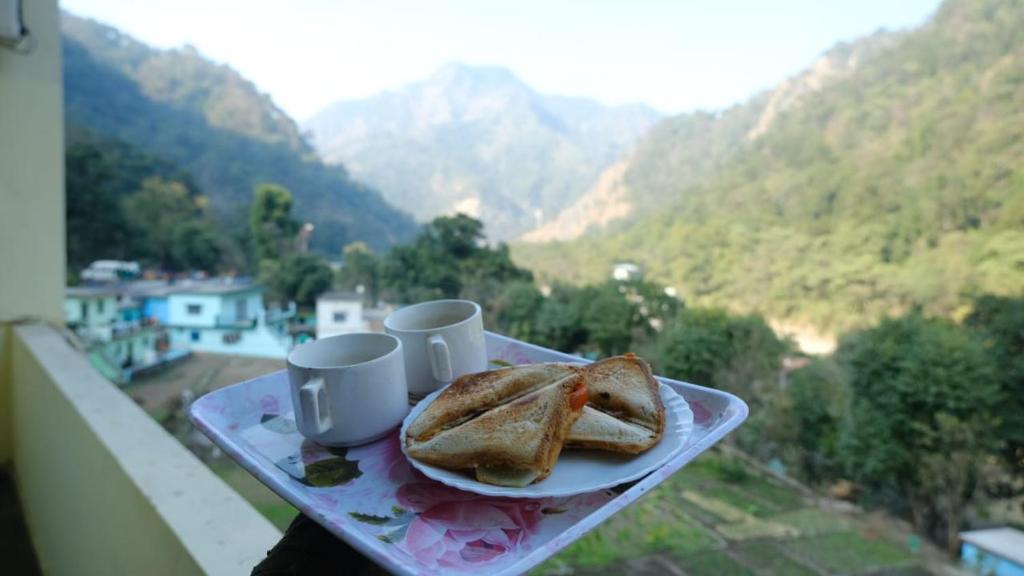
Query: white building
[
  {"x": 91, "y": 311},
  {"x": 340, "y": 313},
  {"x": 626, "y": 271}
]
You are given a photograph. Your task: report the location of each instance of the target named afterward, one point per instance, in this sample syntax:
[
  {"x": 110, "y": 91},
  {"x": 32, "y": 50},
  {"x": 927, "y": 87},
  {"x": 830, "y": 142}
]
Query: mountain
[
  {"x": 684, "y": 150},
  {"x": 888, "y": 176},
  {"x": 214, "y": 124},
  {"x": 480, "y": 141}
]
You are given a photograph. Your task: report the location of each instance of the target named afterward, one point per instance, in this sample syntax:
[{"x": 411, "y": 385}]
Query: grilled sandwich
[
  {"x": 506, "y": 426},
  {"x": 624, "y": 411}
]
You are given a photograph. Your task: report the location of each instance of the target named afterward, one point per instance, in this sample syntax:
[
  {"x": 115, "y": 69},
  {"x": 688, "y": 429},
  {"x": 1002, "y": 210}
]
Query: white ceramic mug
[
  {"x": 348, "y": 389},
  {"x": 442, "y": 340}
]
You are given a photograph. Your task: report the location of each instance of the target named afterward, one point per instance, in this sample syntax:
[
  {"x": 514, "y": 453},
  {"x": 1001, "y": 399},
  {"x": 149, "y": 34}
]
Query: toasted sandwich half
[
  {"x": 506, "y": 426},
  {"x": 624, "y": 411}
]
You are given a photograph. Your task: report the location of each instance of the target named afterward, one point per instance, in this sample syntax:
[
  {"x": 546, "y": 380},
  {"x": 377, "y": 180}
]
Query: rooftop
[
  {"x": 158, "y": 288},
  {"x": 1005, "y": 542},
  {"x": 341, "y": 295},
  {"x": 90, "y": 291}
]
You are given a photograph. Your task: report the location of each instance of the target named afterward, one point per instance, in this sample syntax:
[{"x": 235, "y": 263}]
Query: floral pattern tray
[{"x": 371, "y": 497}]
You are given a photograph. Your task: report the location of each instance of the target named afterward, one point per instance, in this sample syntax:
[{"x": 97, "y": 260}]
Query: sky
[{"x": 675, "y": 55}]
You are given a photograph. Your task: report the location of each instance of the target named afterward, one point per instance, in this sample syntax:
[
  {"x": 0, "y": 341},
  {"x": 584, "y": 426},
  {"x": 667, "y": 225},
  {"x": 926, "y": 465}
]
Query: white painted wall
[
  {"x": 261, "y": 341},
  {"x": 100, "y": 313},
  {"x": 212, "y": 307},
  {"x": 339, "y": 317},
  {"x": 32, "y": 172}
]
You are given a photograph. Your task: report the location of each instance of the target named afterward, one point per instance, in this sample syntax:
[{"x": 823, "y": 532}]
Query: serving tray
[{"x": 371, "y": 497}]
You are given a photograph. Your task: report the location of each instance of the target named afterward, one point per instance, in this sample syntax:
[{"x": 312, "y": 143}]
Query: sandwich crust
[
  {"x": 524, "y": 433},
  {"x": 475, "y": 393},
  {"x": 624, "y": 387}
]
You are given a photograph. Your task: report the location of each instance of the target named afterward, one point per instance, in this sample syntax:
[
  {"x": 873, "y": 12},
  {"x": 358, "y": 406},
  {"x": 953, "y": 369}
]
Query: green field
[{"x": 719, "y": 517}]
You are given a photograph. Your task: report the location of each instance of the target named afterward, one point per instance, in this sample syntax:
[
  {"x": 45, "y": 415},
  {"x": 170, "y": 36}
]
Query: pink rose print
[
  {"x": 269, "y": 405},
  {"x": 701, "y": 415},
  {"x": 383, "y": 459},
  {"x": 456, "y": 529},
  {"x": 514, "y": 355},
  {"x": 384, "y": 468}
]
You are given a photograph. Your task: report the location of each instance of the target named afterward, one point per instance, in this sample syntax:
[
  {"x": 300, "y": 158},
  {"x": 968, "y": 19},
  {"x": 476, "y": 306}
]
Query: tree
[
  {"x": 819, "y": 398},
  {"x": 416, "y": 273},
  {"x": 740, "y": 354},
  {"x": 196, "y": 246},
  {"x": 361, "y": 267},
  {"x": 156, "y": 211},
  {"x": 560, "y": 320},
  {"x": 298, "y": 277},
  {"x": 458, "y": 236},
  {"x": 697, "y": 346},
  {"x": 449, "y": 260},
  {"x": 271, "y": 224},
  {"x": 516, "y": 310},
  {"x": 920, "y": 388},
  {"x": 95, "y": 223},
  {"x": 999, "y": 322},
  {"x": 609, "y": 318}
]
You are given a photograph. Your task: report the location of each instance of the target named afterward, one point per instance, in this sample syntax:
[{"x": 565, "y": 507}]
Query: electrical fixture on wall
[{"x": 13, "y": 33}]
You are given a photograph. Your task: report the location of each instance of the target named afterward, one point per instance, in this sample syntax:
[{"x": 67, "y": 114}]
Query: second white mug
[{"x": 441, "y": 340}]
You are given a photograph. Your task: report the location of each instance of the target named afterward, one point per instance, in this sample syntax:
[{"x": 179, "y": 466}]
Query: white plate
[{"x": 577, "y": 471}]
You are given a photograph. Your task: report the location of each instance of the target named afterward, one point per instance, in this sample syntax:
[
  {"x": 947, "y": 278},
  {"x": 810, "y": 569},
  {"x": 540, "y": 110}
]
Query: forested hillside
[
  {"x": 887, "y": 177},
  {"x": 480, "y": 141},
  {"x": 212, "y": 123}
]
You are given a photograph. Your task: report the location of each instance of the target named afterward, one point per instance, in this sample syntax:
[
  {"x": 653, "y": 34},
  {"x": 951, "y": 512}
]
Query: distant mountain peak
[
  {"x": 460, "y": 71},
  {"x": 835, "y": 64},
  {"x": 478, "y": 136}
]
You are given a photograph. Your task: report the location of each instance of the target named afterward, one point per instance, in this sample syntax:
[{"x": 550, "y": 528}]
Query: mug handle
[
  {"x": 313, "y": 398},
  {"x": 440, "y": 358}
]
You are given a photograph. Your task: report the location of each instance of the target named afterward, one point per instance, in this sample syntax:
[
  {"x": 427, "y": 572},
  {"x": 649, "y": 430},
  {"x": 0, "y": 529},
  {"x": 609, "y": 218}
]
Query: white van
[{"x": 111, "y": 271}]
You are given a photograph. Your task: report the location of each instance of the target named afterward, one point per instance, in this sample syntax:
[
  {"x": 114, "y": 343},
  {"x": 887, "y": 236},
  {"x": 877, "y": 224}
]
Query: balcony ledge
[{"x": 106, "y": 490}]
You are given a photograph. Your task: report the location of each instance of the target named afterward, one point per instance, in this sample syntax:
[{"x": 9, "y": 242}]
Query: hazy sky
[{"x": 676, "y": 55}]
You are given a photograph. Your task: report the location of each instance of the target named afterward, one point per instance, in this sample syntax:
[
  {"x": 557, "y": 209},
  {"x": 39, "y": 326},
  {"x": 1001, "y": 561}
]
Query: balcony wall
[
  {"x": 31, "y": 187},
  {"x": 105, "y": 490},
  {"x": 32, "y": 172}
]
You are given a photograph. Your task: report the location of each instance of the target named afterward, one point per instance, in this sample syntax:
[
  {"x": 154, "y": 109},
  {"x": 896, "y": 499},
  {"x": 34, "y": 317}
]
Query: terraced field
[{"x": 717, "y": 517}]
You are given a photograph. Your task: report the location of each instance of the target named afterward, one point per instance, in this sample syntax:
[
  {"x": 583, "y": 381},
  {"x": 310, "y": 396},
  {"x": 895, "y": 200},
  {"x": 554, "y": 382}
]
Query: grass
[
  {"x": 739, "y": 499},
  {"x": 699, "y": 514},
  {"x": 712, "y": 563},
  {"x": 756, "y": 528},
  {"x": 644, "y": 528},
  {"x": 812, "y": 521},
  {"x": 847, "y": 552},
  {"x": 769, "y": 560},
  {"x": 719, "y": 517},
  {"x": 779, "y": 497},
  {"x": 729, "y": 480}
]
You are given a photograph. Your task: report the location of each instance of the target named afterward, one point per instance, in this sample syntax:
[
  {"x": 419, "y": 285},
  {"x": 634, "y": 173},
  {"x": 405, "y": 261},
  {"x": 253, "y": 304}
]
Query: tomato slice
[{"x": 578, "y": 397}]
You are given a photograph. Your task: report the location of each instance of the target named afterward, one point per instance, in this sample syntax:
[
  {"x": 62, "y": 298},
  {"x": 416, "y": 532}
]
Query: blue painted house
[
  {"x": 221, "y": 316},
  {"x": 119, "y": 341},
  {"x": 996, "y": 551}
]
